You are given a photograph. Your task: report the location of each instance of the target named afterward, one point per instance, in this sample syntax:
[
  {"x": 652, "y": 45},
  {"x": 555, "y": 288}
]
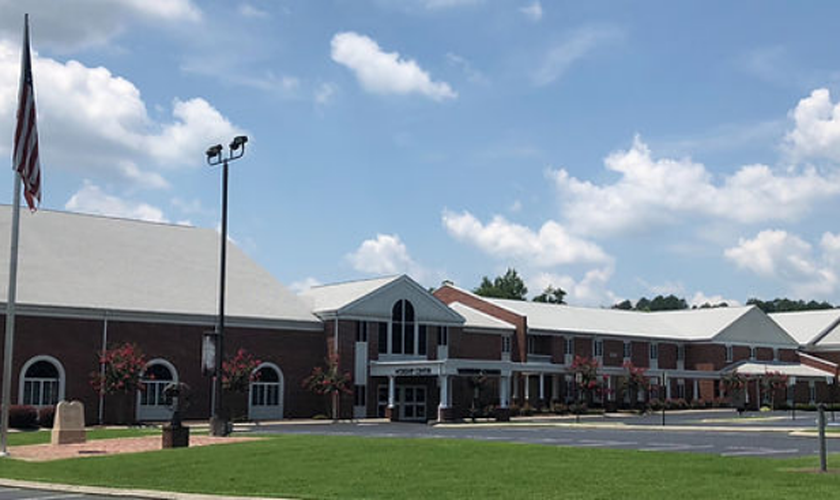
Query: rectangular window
[
  {"x": 361, "y": 331},
  {"x": 654, "y": 351},
  {"x": 775, "y": 354},
  {"x": 680, "y": 389},
  {"x": 598, "y": 348},
  {"x": 396, "y": 338},
  {"x": 421, "y": 341},
  {"x": 729, "y": 356},
  {"x": 360, "y": 396},
  {"x": 408, "y": 344},
  {"x": 628, "y": 351},
  {"x": 680, "y": 352},
  {"x": 532, "y": 344},
  {"x": 570, "y": 346},
  {"x": 506, "y": 344},
  {"x": 753, "y": 352},
  {"x": 443, "y": 335},
  {"x": 383, "y": 338}
]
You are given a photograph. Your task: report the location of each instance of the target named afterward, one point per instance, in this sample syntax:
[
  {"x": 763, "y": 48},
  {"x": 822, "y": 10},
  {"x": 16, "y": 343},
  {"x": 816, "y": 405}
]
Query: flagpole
[{"x": 10, "y": 321}]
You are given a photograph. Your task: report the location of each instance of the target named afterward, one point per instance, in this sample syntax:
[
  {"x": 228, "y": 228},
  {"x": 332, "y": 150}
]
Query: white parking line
[
  {"x": 676, "y": 447},
  {"x": 595, "y": 443},
  {"x": 757, "y": 451}
]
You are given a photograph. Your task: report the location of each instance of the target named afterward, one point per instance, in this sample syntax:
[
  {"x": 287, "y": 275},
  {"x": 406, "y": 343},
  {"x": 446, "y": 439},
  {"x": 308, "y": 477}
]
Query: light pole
[{"x": 216, "y": 156}]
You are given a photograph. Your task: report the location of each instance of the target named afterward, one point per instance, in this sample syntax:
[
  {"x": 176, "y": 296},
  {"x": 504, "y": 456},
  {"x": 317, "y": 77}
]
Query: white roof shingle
[
  {"x": 103, "y": 263},
  {"x": 477, "y": 320},
  {"x": 807, "y": 326}
]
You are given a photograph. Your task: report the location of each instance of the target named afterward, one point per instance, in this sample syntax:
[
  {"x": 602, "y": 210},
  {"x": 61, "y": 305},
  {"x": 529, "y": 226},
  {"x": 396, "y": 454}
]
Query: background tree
[
  {"x": 508, "y": 286},
  {"x": 624, "y": 305},
  {"x": 786, "y": 305},
  {"x": 551, "y": 295},
  {"x": 659, "y": 303}
]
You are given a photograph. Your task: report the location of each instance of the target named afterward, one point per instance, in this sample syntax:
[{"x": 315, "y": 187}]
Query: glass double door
[{"x": 410, "y": 402}]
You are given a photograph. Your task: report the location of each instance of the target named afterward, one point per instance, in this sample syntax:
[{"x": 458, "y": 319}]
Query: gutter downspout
[{"x": 102, "y": 366}]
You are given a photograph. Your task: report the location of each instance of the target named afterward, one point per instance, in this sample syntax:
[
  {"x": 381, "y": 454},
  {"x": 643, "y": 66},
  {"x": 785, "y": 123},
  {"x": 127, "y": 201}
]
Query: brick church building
[{"x": 87, "y": 282}]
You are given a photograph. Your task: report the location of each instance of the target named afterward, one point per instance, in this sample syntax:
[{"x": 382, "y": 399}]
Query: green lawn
[{"x": 351, "y": 467}]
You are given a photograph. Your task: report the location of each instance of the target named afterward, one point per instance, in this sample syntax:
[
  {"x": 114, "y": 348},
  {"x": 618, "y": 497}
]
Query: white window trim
[
  {"x": 281, "y": 382},
  {"x": 62, "y": 377},
  {"x": 155, "y": 412}
]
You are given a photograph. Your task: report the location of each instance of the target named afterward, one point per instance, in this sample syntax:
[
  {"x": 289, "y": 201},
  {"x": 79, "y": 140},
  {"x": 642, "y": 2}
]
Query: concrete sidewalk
[{"x": 118, "y": 492}]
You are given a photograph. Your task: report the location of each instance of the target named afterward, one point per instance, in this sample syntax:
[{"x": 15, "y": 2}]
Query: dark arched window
[{"x": 402, "y": 328}]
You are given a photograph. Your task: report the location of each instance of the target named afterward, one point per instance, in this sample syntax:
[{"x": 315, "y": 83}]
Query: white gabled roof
[
  {"x": 807, "y": 327},
  {"x": 89, "y": 262},
  {"x": 333, "y": 297},
  {"x": 478, "y": 320},
  {"x": 687, "y": 325},
  {"x": 756, "y": 368},
  {"x": 374, "y": 298}
]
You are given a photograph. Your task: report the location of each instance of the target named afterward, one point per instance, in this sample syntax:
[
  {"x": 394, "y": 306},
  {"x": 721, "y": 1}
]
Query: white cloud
[
  {"x": 385, "y": 254},
  {"x": 591, "y": 290},
  {"x": 701, "y": 298},
  {"x": 324, "y": 93},
  {"x": 787, "y": 258},
  {"x": 533, "y": 11},
  {"x": 817, "y": 128},
  {"x": 652, "y": 192},
  {"x": 382, "y": 72},
  {"x": 550, "y": 246},
  {"x": 92, "y": 200},
  {"x": 68, "y": 26},
  {"x": 250, "y": 11},
  {"x": 580, "y": 44},
  {"x": 473, "y": 75},
  {"x": 304, "y": 284},
  {"x": 95, "y": 122}
]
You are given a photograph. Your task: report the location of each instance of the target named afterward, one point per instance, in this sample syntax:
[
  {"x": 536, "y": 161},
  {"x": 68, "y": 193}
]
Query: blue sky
[{"x": 615, "y": 149}]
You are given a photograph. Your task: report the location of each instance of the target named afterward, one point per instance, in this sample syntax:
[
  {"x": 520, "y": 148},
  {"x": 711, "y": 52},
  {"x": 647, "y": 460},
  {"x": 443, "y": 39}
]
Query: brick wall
[
  {"x": 448, "y": 295},
  {"x": 613, "y": 353},
  {"x": 75, "y": 343}
]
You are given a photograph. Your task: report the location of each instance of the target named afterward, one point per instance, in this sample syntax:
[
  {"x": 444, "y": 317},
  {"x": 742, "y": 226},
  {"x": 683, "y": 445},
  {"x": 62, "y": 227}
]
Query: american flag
[{"x": 26, "y": 134}]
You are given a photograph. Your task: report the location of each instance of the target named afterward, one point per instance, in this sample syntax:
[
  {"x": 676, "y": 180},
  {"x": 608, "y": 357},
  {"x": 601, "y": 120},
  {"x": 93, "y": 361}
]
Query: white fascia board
[{"x": 164, "y": 318}]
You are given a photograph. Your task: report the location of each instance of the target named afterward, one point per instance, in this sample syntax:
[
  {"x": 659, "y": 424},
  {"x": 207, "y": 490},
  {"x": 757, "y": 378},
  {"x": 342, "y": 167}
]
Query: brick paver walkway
[{"x": 46, "y": 452}]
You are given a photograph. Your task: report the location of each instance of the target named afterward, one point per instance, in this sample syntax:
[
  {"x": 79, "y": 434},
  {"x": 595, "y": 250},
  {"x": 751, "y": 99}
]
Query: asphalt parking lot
[
  {"x": 27, "y": 494},
  {"x": 772, "y": 442}
]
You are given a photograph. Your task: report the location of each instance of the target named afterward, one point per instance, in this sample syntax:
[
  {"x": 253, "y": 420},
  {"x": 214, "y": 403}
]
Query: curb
[
  {"x": 118, "y": 492},
  {"x": 622, "y": 427}
]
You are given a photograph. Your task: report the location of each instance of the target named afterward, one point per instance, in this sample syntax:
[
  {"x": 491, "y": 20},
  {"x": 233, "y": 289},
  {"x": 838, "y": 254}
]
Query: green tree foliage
[
  {"x": 551, "y": 295},
  {"x": 659, "y": 303},
  {"x": 624, "y": 305},
  {"x": 509, "y": 286},
  {"x": 786, "y": 305}
]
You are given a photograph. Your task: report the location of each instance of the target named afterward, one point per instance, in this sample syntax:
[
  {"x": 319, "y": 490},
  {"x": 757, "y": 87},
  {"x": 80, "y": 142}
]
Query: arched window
[
  {"x": 152, "y": 403},
  {"x": 265, "y": 399},
  {"x": 402, "y": 328},
  {"x": 41, "y": 382}
]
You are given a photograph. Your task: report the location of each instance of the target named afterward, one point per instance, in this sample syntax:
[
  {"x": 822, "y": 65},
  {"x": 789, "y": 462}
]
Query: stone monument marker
[{"x": 69, "y": 424}]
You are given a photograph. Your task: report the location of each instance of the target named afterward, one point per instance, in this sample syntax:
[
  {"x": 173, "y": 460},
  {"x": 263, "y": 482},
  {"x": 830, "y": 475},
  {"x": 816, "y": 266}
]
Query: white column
[
  {"x": 555, "y": 387},
  {"x": 515, "y": 380},
  {"x": 392, "y": 392},
  {"x": 667, "y": 380},
  {"x": 695, "y": 392},
  {"x": 542, "y": 386},
  {"x": 527, "y": 388},
  {"x": 504, "y": 390},
  {"x": 445, "y": 396}
]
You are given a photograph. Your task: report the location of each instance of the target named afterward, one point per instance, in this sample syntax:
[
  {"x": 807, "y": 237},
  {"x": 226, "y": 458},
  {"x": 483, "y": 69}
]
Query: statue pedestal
[{"x": 176, "y": 437}]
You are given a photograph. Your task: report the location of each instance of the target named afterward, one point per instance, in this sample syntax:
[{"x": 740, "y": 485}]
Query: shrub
[
  {"x": 559, "y": 408},
  {"x": 806, "y": 407},
  {"x": 676, "y": 404},
  {"x": 46, "y": 416},
  {"x": 656, "y": 405},
  {"x": 23, "y": 417}
]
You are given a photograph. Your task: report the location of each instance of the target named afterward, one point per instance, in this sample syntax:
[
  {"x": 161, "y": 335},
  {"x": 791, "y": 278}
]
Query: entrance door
[
  {"x": 412, "y": 402},
  {"x": 265, "y": 393}
]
